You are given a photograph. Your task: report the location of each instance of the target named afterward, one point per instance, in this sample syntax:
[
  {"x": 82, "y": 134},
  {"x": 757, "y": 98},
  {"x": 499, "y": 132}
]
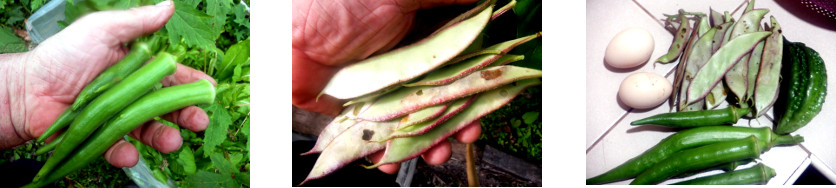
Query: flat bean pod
[
  {"x": 766, "y": 91},
  {"x": 721, "y": 62},
  {"x": 353, "y": 143},
  {"x": 334, "y": 128},
  {"x": 455, "y": 107},
  {"x": 700, "y": 158},
  {"x": 147, "y": 107},
  {"x": 413, "y": 60},
  {"x": 423, "y": 115},
  {"x": 400, "y": 149},
  {"x": 759, "y": 174},
  {"x": 506, "y": 59},
  {"x": 679, "y": 75},
  {"x": 689, "y": 138},
  {"x": 737, "y": 78},
  {"x": 679, "y": 40},
  {"x": 448, "y": 74},
  {"x": 698, "y": 56},
  {"x": 411, "y": 99}
]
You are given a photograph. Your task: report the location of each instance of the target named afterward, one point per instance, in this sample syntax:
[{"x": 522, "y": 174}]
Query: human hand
[
  {"x": 46, "y": 80},
  {"x": 330, "y": 34}
]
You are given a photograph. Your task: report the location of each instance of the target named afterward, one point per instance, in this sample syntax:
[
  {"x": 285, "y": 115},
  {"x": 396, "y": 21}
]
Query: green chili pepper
[{"x": 726, "y": 116}]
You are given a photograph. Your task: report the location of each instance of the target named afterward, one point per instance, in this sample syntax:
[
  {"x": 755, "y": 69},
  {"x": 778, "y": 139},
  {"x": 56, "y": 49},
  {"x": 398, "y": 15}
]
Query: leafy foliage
[{"x": 517, "y": 127}]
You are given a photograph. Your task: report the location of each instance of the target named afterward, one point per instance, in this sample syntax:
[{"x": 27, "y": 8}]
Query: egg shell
[
  {"x": 629, "y": 48},
  {"x": 644, "y": 90}
]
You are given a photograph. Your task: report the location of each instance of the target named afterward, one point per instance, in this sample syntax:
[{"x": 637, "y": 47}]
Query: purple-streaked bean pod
[
  {"x": 507, "y": 58},
  {"x": 423, "y": 115},
  {"x": 716, "y": 17},
  {"x": 679, "y": 39},
  {"x": 718, "y": 36},
  {"x": 766, "y": 91},
  {"x": 698, "y": 56},
  {"x": 680, "y": 68},
  {"x": 737, "y": 77},
  {"x": 448, "y": 74},
  {"x": 720, "y": 63},
  {"x": 455, "y": 107},
  {"x": 334, "y": 128},
  {"x": 410, "y": 99},
  {"x": 400, "y": 149},
  {"x": 411, "y": 61}
]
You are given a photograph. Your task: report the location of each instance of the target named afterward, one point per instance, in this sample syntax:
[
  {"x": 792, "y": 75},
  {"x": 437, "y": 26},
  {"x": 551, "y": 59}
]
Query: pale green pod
[
  {"x": 680, "y": 68},
  {"x": 749, "y": 7},
  {"x": 351, "y": 144},
  {"x": 716, "y": 17},
  {"x": 766, "y": 91},
  {"x": 721, "y": 62},
  {"x": 504, "y": 9},
  {"x": 334, "y": 128},
  {"x": 448, "y": 74},
  {"x": 410, "y": 99},
  {"x": 703, "y": 26},
  {"x": 469, "y": 14},
  {"x": 718, "y": 36},
  {"x": 421, "y": 128},
  {"x": 368, "y": 98},
  {"x": 423, "y": 115},
  {"x": 698, "y": 56},
  {"x": 737, "y": 77},
  {"x": 400, "y": 149},
  {"x": 679, "y": 39},
  {"x": 716, "y": 97},
  {"x": 403, "y": 64},
  {"x": 754, "y": 68},
  {"x": 506, "y": 59}
]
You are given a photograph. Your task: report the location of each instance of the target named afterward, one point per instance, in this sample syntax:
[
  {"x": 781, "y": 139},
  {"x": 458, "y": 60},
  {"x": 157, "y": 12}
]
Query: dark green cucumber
[
  {"x": 109, "y": 103},
  {"x": 804, "y": 87},
  {"x": 153, "y": 104}
]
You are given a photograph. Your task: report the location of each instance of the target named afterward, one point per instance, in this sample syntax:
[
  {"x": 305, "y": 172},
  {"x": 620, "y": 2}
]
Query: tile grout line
[
  {"x": 601, "y": 137},
  {"x": 649, "y": 14}
]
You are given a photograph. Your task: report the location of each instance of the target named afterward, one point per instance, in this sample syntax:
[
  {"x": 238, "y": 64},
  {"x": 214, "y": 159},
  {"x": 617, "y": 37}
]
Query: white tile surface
[{"x": 611, "y": 140}]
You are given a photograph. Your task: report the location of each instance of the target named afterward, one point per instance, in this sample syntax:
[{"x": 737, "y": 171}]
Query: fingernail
[{"x": 164, "y": 3}]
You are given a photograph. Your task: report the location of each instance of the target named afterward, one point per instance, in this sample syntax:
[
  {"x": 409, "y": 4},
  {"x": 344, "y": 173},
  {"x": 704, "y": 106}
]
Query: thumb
[{"x": 122, "y": 26}]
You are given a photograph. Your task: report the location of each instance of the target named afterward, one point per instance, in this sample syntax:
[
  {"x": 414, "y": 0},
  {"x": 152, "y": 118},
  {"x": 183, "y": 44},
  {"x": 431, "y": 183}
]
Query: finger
[
  {"x": 470, "y": 133},
  {"x": 161, "y": 137},
  {"x": 118, "y": 27},
  {"x": 309, "y": 78},
  {"x": 425, "y": 4},
  {"x": 185, "y": 75},
  {"x": 191, "y": 117},
  {"x": 438, "y": 154},
  {"x": 122, "y": 154},
  {"x": 387, "y": 168}
]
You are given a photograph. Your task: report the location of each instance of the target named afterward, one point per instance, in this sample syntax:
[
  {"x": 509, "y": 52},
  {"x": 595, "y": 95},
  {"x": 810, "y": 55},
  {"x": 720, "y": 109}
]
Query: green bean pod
[
  {"x": 758, "y": 174},
  {"x": 699, "y": 53},
  {"x": 686, "y": 139},
  {"x": 726, "y": 116},
  {"x": 147, "y": 107},
  {"x": 701, "y": 158},
  {"x": 63, "y": 120},
  {"x": 720, "y": 63},
  {"x": 679, "y": 40},
  {"x": 421, "y": 128},
  {"x": 766, "y": 91},
  {"x": 50, "y": 146},
  {"x": 109, "y": 103},
  {"x": 736, "y": 77},
  {"x": 423, "y": 115},
  {"x": 140, "y": 52}
]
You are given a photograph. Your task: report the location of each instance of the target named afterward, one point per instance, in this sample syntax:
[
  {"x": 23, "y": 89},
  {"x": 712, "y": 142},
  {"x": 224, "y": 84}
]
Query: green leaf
[
  {"x": 193, "y": 26},
  {"x": 246, "y": 128},
  {"x": 219, "y": 121},
  {"x": 223, "y": 165},
  {"x": 515, "y": 122},
  {"x": 210, "y": 180},
  {"x": 218, "y": 9},
  {"x": 243, "y": 178},
  {"x": 235, "y": 159},
  {"x": 530, "y": 117},
  {"x": 237, "y": 54},
  {"x": 186, "y": 159},
  {"x": 10, "y": 43}
]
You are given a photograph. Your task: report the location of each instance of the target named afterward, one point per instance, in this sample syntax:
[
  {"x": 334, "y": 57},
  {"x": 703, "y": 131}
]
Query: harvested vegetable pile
[
  {"x": 740, "y": 64},
  {"x": 416, "y": 96}
]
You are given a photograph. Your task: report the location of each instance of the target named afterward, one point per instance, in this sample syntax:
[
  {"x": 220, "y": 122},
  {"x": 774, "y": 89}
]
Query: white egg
[
  {"x": 629, "y": 48},
  {"x": 644, "y": 90}
]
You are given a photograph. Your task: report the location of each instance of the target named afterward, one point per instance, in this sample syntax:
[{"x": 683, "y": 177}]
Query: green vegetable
[
  {"x": 759, "y": 174},
  {"x": 766, "y": 91},
  {"x": 679, "y": 40},
  {"x": 337, "y": 126},
  {"x": 145, "y": 108},
  {"x": 686, "y": 139},
  {"x": 421, "y": 128},
  {"x": 400, "y": 149},
  {"x": 411, "y": 99},
  {"x": 422, "y": 115},
  {"x": 700, "y": 158},
  {"x": 736, "y": 77},
  {"x": 728, "y": 167},
  {"x": 412, "y": 60},
  {"x": 50, "y": 146},
  {"x": 720, "y": 63},
  {"x": 726, "y": 116},
  {"x": 109, "y": 103},
  {"x": 699, "y": 53},
  {"x": 807, "y": 87},
  {"x": 139, "y": 53}
]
